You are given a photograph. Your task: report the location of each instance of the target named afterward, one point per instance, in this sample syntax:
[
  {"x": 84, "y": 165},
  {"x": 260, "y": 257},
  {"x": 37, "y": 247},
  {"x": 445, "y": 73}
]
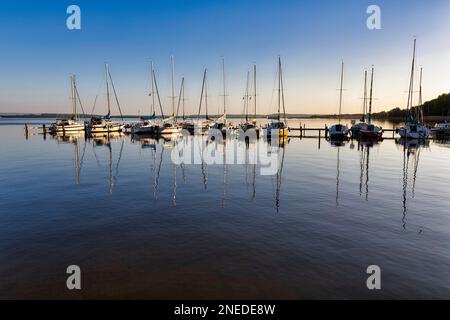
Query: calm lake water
[{"x": 141, "y": 227}]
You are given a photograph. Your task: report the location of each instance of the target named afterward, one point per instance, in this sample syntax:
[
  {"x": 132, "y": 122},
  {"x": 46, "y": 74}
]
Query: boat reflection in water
[
  {"x": 99, "y": 140},
  {"x": 411, "y": 157},
  {"x": 364, "y": 160},
  {"x": 164, "y": 145},
  {"x": 146, "y": 141},
  {"x": 75, "y": 138},
  {"x": 338, "y": 143}
]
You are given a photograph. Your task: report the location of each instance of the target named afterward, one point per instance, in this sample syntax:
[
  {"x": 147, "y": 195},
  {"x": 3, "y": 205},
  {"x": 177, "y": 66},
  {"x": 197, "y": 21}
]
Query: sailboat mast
[
  {"x": 370, "y": 98},
  {"x": 282, "y": 93},
  {"x": 206, "y": 97},
  {"x": 75, "y": 96},
  {"x": 74, "y": 99},
  {"x": 365, "y": 97},
  {"x": 201, "y": 94},
  {"x": 183, "y": 99},
  {"x": 157, "y": 93},
  {"x": 246, "y": 103},
  {"x": 224, "y": 87},
  {"x": 107, "y": 88},
  {"x": 173, "y": 89},
  {"x": 411, "y": 81},
  {"x": 254, "y": 87},
  {"x": 340, "y": 91},
  {"x": 180, "y": 97},
  {"x": 279, "y": 87},
  {"x": 420, "y": 110},
  {"x": 152, "y": 93}
]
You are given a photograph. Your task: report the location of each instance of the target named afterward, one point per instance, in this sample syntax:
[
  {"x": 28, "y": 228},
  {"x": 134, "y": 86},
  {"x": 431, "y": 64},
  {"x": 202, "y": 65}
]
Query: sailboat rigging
[
  {"x": 221, "y": 122},
  {"x": 277, "y": 127},
  {"x": 339, "y": 131},
  {"x": 71, "y": 124},
  {"x": 370, "y": 131},
  {"x": 104, "y": 124},
  {"x": 204, "y": 94},
  {"x": 147, "y": 124},
  {"x": 414, "y": 127},
  {"x": 248, "y": 125},
  {"x": 170, "y": 126}
]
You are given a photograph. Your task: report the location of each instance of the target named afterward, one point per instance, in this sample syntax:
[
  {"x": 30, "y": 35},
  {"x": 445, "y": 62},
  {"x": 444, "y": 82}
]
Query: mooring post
[
  {"x": 326, "y": 132},
  {"x": 26, "y": 131},
  {"x": 44, "y": 131},
  {"x": 319, "y": 138}
]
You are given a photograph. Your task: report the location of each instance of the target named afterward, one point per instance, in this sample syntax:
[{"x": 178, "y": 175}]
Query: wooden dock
[{"x": 323, "y": 132}]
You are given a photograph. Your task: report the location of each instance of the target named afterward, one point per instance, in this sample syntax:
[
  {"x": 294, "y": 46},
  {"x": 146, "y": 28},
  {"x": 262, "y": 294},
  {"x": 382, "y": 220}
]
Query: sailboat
[
  {"x": 72, "y": 124},
  {"x": 208, "y": 122},
  {"x": 170, "y": 125},
  {"x": 278, "y": 127},
  {"x": 369, "y": 130},
  {"x": 147, "y": 123},
  {"x": 247, "y": 125},
  {"x": 339, "y": 131},
  {"x": 221, "y": 122},
  {"x": 414, "y": 127},
  {"x": 185, "y": 123},
  {"x": 104, "y": 124},
  {"x": 362, "y": 121},
  {"x": 441, "y": 129}
]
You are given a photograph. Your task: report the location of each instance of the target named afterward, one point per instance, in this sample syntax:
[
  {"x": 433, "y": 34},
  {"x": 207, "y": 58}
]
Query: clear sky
[{"x": 38, "y": 52}]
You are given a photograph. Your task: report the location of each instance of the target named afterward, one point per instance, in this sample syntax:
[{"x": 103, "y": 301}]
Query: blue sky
[{"x": 38, "y": 51}]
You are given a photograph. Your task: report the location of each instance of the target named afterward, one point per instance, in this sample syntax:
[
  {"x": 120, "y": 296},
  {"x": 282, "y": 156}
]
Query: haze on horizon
[{"x": 312, "y": 37}]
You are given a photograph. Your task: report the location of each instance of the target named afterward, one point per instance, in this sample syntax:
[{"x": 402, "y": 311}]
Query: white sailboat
[
  {"x": 204, "y": 124},
  {"x": 186, "y": 124},
  {"x": 441, "y": 128},
  {"x": 104, "y": 124},
  {"x": 414, "y": 127},
  {"x": 250, "y": 124},
  {"x": 355, "y": 129},
  {"x": 170, "y": 126},
  {"x": 147, "y": 123},
  {"x": 370, "y": 131},
  {"x": 72, "y": 124},
  {"x": 221, "y": 122},
  {"x": 276, "y": 126},
  {"x": 339, "y": 131}
]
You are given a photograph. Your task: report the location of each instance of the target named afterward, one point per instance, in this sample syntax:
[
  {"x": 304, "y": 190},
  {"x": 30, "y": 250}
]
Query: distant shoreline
[{"x": 231, "y": 116}]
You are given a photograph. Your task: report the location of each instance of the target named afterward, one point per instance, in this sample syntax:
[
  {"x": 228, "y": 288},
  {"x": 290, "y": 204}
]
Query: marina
[
  {"x": 148, "y": 216},
  {"x": 224, "y": 157}
]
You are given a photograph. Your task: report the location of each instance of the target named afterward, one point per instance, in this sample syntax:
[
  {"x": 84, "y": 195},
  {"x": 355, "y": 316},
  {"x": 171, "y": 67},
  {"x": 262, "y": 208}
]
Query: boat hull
[
  {"x": 105, "y": 128},
  {"x": 338, "y": 131},
  {"x": 145, "y": 129},
  {"x": 419, "y": 132},
  {"x": 370, "y": 132},
  {"x": 171, "y": 130},
  {"x": 366, "y": 135},
  {"x": 69, "y": 128}
]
